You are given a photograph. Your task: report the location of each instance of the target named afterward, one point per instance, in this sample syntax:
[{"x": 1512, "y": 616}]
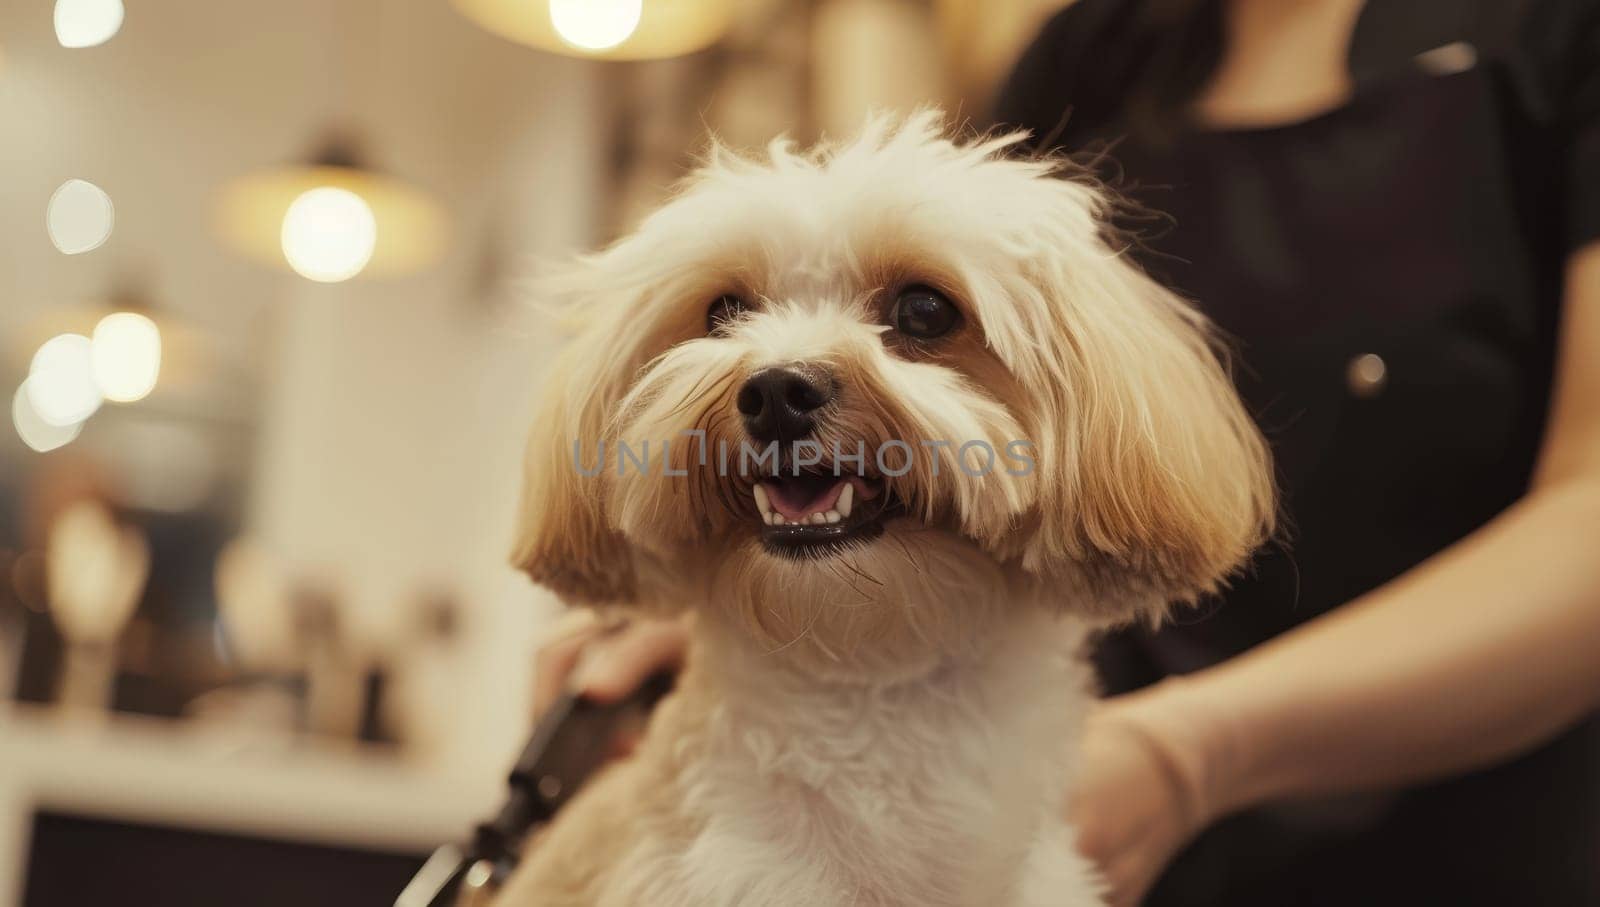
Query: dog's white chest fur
[{"x": 945, "y": 790}]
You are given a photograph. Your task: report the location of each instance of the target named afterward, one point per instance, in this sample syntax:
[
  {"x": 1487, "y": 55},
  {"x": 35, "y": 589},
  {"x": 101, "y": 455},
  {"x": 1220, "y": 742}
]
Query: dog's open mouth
[{"x": 817, "y": 514}]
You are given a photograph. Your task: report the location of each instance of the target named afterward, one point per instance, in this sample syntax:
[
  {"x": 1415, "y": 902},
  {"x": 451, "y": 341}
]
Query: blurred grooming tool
[
  {"x": 96, "y": 573},
  {"x": 254, "y": 602},
  {"x": 426, "y": 676},
  {"x": 334, "y": 675},
  {"x": 263, "y": 703},
  {"x": 569, "y": 744}
]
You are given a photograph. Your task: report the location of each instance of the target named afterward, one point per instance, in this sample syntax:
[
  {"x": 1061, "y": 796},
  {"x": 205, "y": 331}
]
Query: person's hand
[
  {"x": 1140, "y": 794},
  {"x": 605, "y": 661}
]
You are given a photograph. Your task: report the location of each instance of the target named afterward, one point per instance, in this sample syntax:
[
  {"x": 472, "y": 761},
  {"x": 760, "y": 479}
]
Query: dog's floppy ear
[
  {"x": 626, "y": 304},
  {"x": 618, "y": 301},
  {"x": 1155, "y": 484},
  {"x": 564, "y": 538}
]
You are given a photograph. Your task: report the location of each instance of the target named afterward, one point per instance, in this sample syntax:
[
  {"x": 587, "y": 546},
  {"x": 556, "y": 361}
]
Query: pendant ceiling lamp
[
  {"x": 605, "y": 29},
  {"x": 332, "y": 218}
]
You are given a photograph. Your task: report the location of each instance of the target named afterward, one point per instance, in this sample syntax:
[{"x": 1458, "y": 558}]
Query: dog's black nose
[{"x": 778, "y": 403}]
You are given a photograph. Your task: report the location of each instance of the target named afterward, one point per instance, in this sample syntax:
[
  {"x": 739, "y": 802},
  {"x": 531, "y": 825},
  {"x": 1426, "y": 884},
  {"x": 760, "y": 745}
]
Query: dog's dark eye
[
  {"x": 924, "y": 313},
  {"x": 723, "y": 310}
]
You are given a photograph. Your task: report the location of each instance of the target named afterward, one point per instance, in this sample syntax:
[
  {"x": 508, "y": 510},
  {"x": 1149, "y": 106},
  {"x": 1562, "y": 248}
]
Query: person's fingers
[
  {"x": 1129, "y": 878},
  {"x": 559, "y": 654},
  {"x": 613, "y": 667},
  {"x": 1091, "y": 841}
]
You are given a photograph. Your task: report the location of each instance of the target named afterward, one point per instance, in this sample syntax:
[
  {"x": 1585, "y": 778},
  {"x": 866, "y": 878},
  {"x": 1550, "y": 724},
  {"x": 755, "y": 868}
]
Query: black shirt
[{"x": 1391, "y": 271}]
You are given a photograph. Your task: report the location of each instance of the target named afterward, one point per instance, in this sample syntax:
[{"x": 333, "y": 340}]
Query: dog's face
[{"x": 855, "y": 392}]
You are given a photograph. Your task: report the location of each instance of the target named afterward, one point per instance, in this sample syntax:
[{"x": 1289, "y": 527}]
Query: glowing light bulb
[
  {"x": 86, "y": 23},
  {"x": 33, "y": 429},
  {"x": 329, "y": 234},
  {"x": 60, "y": 383},
  {"x": 80, "y": 217},
  {"x": 126, "y": 356},
  {"x": 595, "y": 24}
]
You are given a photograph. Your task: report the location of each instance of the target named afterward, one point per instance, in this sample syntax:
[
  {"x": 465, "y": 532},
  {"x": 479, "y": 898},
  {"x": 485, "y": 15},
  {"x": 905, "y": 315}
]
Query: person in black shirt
[{"x": 1393, "y": 207}]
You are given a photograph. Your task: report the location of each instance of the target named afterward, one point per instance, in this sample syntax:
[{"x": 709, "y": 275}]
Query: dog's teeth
[
  {"x": 845, "y": 498},
  {"x": 818, "y": 519},
  {"x": 833, "y": 516},
  {"x": 762, "y": 504}
]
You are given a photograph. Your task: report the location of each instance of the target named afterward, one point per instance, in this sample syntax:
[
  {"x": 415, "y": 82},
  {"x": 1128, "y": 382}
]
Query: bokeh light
[
  {"x": 61, "y": 383},
  {"x": 126, "y": 356},
  {"x": 34, "y": 430},
  {"x": 595, "y": 24},
  {"x": 329, "y": 234},
  {"x": 80, "y": 217},
  {"x": 86, "y": 23}
]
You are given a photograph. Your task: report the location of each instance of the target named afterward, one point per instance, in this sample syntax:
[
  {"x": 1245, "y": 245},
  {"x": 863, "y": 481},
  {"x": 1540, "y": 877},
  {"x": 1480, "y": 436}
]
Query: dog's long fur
[{"x": 894, "y": 723}]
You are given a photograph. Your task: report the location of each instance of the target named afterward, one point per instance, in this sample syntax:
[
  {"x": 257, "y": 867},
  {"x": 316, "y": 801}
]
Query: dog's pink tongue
[{"x": 797, "y": 502}]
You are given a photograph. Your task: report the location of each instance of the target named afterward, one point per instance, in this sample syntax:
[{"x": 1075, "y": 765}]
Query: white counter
[{"x": 168, "y": 773}]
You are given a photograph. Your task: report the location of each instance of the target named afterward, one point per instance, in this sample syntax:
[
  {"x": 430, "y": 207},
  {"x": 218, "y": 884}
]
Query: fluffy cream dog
[{"x": 886, "y": 690}]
